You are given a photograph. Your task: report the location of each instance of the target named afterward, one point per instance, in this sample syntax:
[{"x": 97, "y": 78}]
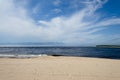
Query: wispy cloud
[
  {"x": 57, "y": 10},
  {"x": 36, "y": 9},
  {"x": 78, "y": 29},
  {"x": 57, "y": 2}
]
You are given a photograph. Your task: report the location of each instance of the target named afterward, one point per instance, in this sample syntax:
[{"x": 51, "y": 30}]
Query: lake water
[{"x": 113, "y": 53}]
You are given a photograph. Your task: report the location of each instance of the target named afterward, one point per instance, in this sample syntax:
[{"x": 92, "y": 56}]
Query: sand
[{"x": 59, "y": 68}]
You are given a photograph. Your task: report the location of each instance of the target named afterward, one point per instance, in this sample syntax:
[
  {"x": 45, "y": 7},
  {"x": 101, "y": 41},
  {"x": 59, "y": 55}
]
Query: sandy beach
[{"x": 59, "y": 68}]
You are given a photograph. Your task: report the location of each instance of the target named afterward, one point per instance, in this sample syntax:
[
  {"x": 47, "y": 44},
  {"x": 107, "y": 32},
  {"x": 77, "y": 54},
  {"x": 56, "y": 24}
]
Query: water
[{"x": 113, "y": 53}]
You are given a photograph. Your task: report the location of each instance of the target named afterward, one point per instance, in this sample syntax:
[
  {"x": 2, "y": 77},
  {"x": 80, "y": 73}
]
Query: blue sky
[{"x": 72, "y": 22}]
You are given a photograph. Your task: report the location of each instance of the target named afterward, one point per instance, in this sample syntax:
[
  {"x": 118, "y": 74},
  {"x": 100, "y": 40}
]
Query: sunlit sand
[{"x": 59, "y": 68}]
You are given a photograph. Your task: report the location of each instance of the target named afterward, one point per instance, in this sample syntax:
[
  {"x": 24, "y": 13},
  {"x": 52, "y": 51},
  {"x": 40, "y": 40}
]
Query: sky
[{"x": 70, "y": 22}]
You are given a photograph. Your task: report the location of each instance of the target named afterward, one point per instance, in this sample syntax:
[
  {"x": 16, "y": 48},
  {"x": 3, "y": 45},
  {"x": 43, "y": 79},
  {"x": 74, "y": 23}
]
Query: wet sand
[{"x": 59, "y": 68}]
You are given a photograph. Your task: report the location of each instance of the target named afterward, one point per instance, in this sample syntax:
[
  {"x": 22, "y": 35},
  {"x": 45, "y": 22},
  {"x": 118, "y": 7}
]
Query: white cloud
[
  {"x": 108, "y": 22},
  {"x": 94, "y": 4},
  {"x": 76, "y": 29}
]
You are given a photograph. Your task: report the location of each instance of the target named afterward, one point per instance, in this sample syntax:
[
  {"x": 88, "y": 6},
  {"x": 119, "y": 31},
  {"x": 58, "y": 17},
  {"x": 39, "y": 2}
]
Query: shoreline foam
[{"x": 21, "y": 56}]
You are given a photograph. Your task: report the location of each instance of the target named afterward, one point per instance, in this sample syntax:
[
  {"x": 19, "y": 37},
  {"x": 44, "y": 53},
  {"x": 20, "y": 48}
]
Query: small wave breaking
[{"x": 21, "y": 56}]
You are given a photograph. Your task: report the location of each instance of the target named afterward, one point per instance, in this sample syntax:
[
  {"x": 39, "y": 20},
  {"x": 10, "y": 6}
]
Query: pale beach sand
[{"x": 59, "y": 68}]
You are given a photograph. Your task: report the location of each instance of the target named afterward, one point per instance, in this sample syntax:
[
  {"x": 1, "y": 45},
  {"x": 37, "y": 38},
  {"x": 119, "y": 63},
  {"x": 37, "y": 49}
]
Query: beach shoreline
[{"x": 59, "y": 68}]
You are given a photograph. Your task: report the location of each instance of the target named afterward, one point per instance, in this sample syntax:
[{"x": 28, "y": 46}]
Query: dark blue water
[{"x": 113, "y": 53}]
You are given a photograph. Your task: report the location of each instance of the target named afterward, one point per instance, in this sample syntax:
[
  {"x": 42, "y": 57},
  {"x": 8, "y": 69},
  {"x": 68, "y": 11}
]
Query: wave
[{"x": 21, "y": 56}]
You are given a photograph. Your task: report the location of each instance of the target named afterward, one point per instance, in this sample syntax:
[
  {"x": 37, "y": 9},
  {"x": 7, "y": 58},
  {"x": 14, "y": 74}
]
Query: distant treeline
[{"x": 108, "y": 46}]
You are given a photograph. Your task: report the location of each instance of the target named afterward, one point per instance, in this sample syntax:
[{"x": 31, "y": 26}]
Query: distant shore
[
  {"x": 108, "y": 46},
  {"x": 59, "y": 68}
]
